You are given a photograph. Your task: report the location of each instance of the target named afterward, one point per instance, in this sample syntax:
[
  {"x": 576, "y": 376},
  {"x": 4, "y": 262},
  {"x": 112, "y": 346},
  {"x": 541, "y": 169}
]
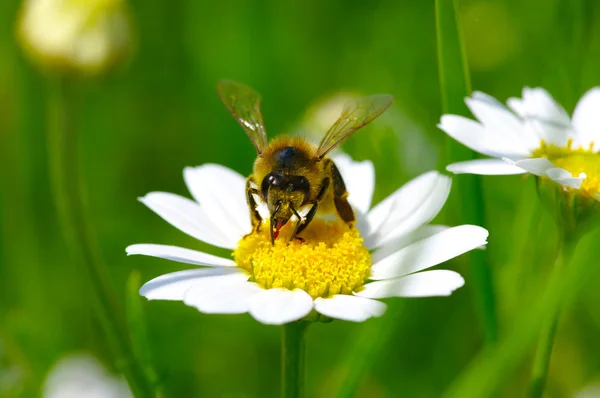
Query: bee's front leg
[
  {"x": 302, "y": 224},
  {"x": 255, "y": 217}
]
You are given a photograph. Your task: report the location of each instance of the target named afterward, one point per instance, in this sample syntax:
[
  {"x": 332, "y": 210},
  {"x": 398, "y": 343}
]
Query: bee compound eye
[
  {"x": 264, "y": 188},
  {"x": 270, "y": 180}
]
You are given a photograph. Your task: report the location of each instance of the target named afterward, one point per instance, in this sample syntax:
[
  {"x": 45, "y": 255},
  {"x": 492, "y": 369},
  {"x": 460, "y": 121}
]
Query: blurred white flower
[
  {"x": 332, "y": 272},
  {"x": 533, "y": 134},
  {"x": 321, "y": 115},
  {"x": 82, "y": 376},
  {"x": 590, "y": 391},
  {"x": 82, "y": 36}
]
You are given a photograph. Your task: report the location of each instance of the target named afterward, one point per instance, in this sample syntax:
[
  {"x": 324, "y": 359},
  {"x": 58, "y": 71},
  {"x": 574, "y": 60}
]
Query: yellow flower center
[
  {"x": 576, "y": 161},
  {"x": 331, "y": 260}
]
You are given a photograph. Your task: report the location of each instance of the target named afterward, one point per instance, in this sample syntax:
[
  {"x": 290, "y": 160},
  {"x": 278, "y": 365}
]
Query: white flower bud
[{"x": 85, "y": 37}]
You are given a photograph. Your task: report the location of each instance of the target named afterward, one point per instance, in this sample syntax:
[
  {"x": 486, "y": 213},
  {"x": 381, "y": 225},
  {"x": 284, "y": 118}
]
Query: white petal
[
  {"x": 484, "y": 167},
  {"x": 586, "y": 118},
  {"x": 516, "y": 105},
  {"x": 362, "y": 224},
  {"x": 430, "y": 251},
  {"x": 173, "y": 286},
  {"x": 406, "y": 198},
  {"x": 555, "y": 134},
  {"x": 482, "y": 139},
  {"x": 187, "y": 216},
  {"x": 349, "y": 308},
  {"x": 221, "y": 193},
  {"x": 423, "y": 284},
  {"x": 545, "y": 116},
  {"x": 540, "y": 104},
  {"x": 359, "y": 178},
  {"x": 565, "y": 177},
  {"x": 279, "y": 306},
  {"x": 401, "y": 242},
  {"x": 537, "y": 166},
  {"x": 411, "y": 206},
  {"x": 503, "y": 123},
  {"x": 180, "y": 255},
  {"x": 218, "y": 299}
]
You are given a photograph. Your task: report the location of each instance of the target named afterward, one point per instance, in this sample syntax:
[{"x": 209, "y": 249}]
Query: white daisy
[
  {"x": 534, "y": 134},
  {"x": 338, "y": 271}
]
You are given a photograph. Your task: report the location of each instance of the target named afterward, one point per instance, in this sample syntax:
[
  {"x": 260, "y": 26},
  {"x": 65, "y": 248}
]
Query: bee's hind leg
[
  {"x": 340, "y": 196},
  {"x": 255, "y": 217}
]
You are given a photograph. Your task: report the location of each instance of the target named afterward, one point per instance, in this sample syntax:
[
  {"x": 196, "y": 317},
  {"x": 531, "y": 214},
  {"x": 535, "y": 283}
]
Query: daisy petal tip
[
  {"x": 279, "y": 306},
  {"x": 446, "y": 120},
  {"x": 475, "y": 231},
  {"x": 145, "y": 292},
  {"x": 434, "y": 283},
  {"x": 445, "y": 178},
  {"x": 147, "y": 198},
  {"x": 441, "y": 178},
  {"x": 131, "y": 250},
  {"x": 451, "y": 168},
  {"x": 459, "y": 283},
  {"x": 380, "y": 311},
  {"x": 350, "y": 308},
  {"x": 456, "y": 281}
]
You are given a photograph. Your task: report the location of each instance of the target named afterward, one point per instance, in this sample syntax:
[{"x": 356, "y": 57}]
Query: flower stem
[
  {"x": 292, "y": 359},
  {"x": 541, "y": 362},
  {"x": 70, "y": 199}
]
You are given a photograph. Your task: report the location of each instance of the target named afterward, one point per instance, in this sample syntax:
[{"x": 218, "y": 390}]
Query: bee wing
[
  {"x": 244, "y": 105},
  {"x": 355, "y": 115}
]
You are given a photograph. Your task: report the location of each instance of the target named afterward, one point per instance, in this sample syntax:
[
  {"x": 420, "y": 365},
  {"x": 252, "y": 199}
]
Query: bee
[{"x": 290, "y": 173}]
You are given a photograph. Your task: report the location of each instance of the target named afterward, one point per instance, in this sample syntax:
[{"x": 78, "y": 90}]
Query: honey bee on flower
[{"x": 350, "y": 254}]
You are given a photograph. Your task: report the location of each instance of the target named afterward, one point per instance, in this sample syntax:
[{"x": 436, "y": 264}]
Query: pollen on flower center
[
  {"x": 331, "y": 260},
  {"x": 576, "y": 161}
]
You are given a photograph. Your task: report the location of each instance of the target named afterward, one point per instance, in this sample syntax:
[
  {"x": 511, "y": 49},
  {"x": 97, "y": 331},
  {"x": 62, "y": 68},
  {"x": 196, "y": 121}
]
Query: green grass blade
[
  {"x": 137, "y": 328},
  {"x": 467, "y": 198},
  {"x": 488, "y": 373},
  {"x": 368, "y": 348}
]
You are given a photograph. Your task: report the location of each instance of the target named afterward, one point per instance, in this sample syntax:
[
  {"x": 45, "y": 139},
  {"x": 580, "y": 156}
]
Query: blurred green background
[{"x": 142, "y": 125}]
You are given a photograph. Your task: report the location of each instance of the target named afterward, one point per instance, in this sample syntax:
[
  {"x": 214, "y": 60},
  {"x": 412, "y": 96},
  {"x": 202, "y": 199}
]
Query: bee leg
[
  {"x": 271, "y": 225},
  {"x": 255, "y": 217},
  {"x": 340, "y": 195},
  {"x": 297, "y": 227},
  {"x": 302, "y": 224}
]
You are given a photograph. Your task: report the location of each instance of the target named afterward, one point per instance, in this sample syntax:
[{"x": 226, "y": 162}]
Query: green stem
[
  {"x": 293, "y": 359},
  {"x": 455, "y": 85},
  {"x": 489, "y": 372},
  {"x": 70, "y": 199},
  {"x": 541, "y": 362}
]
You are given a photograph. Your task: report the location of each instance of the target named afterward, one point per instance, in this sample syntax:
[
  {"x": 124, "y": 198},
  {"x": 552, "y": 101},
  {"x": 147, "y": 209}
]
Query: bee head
[{"x": 284, "y": 195}]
